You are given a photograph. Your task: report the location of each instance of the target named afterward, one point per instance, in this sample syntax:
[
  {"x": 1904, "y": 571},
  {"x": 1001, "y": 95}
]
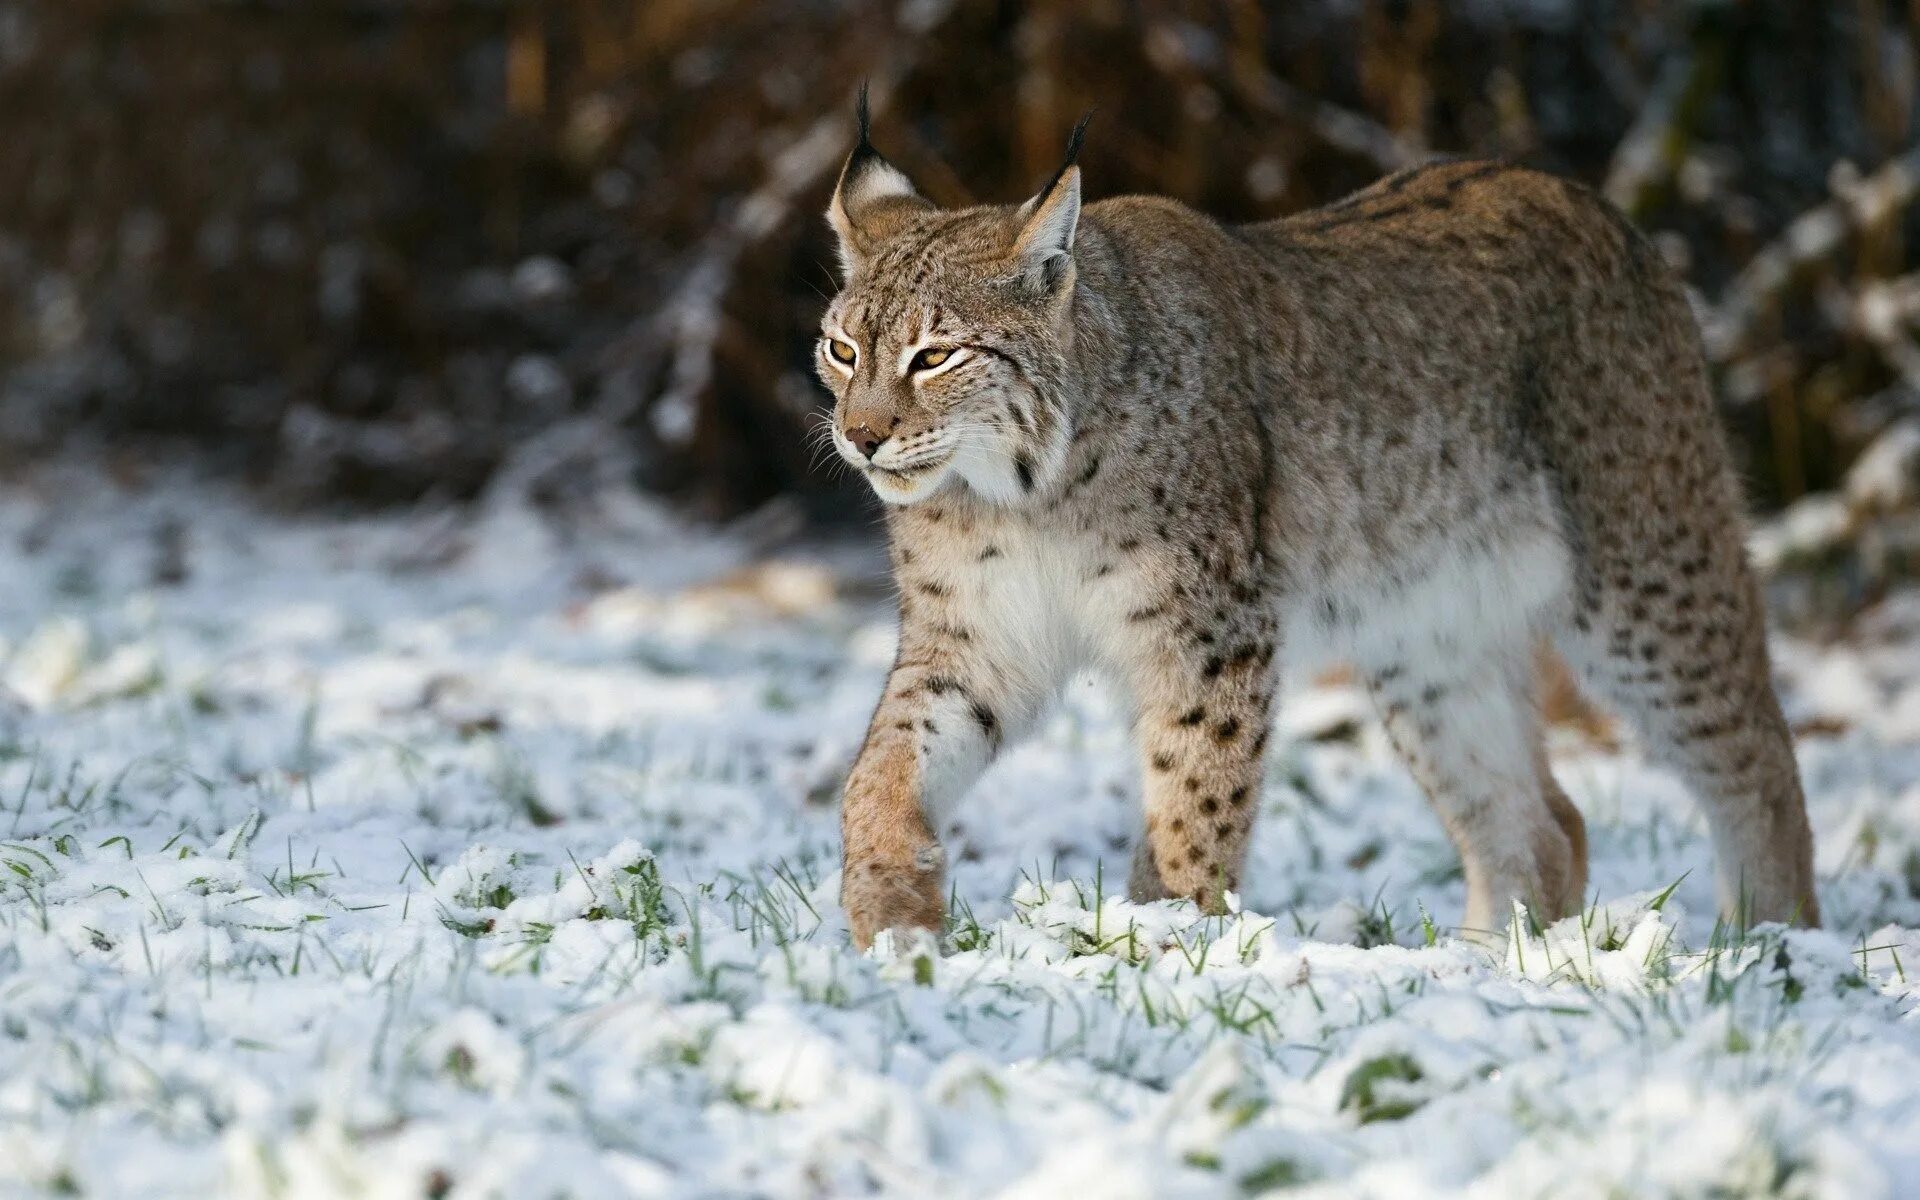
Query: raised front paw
[{"x": 881, "y": 894}]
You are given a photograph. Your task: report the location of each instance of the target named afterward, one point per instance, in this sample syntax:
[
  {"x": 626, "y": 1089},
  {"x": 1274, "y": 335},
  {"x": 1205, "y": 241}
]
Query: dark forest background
[{"x": 386, "y": 250}]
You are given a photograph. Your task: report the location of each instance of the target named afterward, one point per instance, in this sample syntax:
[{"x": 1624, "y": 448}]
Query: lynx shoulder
[{"x": 1422, "y": 431}]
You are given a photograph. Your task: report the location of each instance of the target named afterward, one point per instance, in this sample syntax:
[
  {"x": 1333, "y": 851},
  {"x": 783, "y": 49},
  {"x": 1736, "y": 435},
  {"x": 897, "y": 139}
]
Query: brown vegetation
[{"x": 390, "y": 249}]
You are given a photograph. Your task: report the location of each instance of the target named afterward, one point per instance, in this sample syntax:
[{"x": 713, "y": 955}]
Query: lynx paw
[{"x": 905, "y": 896}]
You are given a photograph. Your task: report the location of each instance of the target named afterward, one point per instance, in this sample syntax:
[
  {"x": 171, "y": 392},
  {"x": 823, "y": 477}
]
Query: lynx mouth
[
  {"x": 911, "y": 471},
  {"x": 900, "y": 485}
]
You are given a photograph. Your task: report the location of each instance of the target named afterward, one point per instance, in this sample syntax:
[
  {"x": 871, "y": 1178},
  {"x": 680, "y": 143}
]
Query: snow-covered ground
[{"x": 439, "y": 856}]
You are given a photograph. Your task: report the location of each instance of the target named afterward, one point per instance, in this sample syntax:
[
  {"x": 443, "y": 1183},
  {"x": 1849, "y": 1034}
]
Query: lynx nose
[{"x": 865, "y": 440}]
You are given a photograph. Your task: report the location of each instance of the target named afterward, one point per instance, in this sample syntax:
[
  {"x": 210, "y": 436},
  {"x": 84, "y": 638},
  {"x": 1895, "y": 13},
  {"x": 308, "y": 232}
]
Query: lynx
[{"x": 1419, "y": 431}]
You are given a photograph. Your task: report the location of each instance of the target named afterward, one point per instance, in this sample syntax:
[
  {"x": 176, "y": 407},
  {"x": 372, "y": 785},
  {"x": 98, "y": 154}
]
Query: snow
[{"x": 434, "y": 855}]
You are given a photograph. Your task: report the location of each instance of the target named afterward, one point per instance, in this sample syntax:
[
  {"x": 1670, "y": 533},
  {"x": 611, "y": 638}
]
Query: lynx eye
[
  {"x": 930, "y": 358},
  {"x": 841, "y": 351}
]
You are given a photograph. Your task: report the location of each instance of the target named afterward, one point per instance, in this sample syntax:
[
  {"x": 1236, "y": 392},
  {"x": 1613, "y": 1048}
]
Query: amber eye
[
  {"x": 929, "y": 358},
  {"x": 841, "y": 351}
]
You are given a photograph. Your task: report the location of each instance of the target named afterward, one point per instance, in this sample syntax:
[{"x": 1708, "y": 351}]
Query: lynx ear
[
  {"x": 872, "y": 200},
  {"x": 1044, "y": 246}
]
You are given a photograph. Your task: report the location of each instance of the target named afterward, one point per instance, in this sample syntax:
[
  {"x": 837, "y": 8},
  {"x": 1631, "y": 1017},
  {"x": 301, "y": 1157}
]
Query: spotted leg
[{"x": 1201, "y": 726}]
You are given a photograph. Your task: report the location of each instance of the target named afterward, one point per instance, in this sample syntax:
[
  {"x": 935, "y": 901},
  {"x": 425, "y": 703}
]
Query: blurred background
[{"x": 381, "y": 251}]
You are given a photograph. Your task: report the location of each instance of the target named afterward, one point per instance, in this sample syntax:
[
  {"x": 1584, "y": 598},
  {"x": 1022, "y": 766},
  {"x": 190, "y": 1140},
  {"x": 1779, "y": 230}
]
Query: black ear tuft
[
  {"x": 872, "y": 198},
  {"x": 864, "y": 116},
  {"x": 1074, "y": 140}
]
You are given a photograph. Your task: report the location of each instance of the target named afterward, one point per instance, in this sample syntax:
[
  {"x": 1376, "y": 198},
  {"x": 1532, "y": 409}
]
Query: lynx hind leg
[
  {"x": 1144, "y": 883},
  {"x": 1666, "y": 623},
  {"x": 1680, "y": 650},
  {"x": 1201, "y": 729},
  {"x": 1469, "y": 733},
  {"x": 1568, "y": 818}
]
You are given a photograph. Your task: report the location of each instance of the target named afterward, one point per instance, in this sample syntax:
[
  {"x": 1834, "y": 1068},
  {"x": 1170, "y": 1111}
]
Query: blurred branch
[
  {"x": 1733, "y": 325},
  {"x": 691, "y": 317},
  {"x": 1341, "y": 128},
  {"x": 1887, "y": 313},
  {"x": 689, "y": 324},
  {"x": 1258, "y": 87},
  {"x": 1655, "y": 147}
]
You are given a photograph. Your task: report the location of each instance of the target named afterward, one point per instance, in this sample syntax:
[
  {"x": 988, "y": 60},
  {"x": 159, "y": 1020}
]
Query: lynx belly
[{"x": 1449, "y": 600}]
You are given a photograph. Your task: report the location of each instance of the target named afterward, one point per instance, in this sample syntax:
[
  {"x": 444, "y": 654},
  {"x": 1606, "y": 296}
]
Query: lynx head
[{"x": 947, "y": 347}]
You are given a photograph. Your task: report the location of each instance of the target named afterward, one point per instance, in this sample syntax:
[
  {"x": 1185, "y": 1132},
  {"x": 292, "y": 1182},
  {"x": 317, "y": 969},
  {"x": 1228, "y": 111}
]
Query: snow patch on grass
[{"x": 413, "y": 857}]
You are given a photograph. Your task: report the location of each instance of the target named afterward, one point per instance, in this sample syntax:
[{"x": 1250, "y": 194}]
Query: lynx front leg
[
  {"x": 957, "y": 691},
  {"x": 1202, "y": 732},
  {"x": 930, "y": 738}
]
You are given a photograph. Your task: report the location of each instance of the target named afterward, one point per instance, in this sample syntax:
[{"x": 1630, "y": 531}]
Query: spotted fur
[{"x": 1419, "y": 431}]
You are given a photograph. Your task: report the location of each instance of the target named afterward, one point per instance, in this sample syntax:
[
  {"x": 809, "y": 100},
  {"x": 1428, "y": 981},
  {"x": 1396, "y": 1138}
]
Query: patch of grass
[
  {"x": 1375, "y": 926},
  {"x": 964, "y": 931},
  {"x": 1376, "y": 1090},
  {"x": 466, "y": 927},
  {"x": 521, "y": 792},
  {"x": 1272, "y": 1176}
]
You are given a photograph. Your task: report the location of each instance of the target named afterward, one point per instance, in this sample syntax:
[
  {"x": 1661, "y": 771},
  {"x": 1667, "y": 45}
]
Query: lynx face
[
  {"x": 943, "y": 380},
  {"x": 946, "y": 351}
]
